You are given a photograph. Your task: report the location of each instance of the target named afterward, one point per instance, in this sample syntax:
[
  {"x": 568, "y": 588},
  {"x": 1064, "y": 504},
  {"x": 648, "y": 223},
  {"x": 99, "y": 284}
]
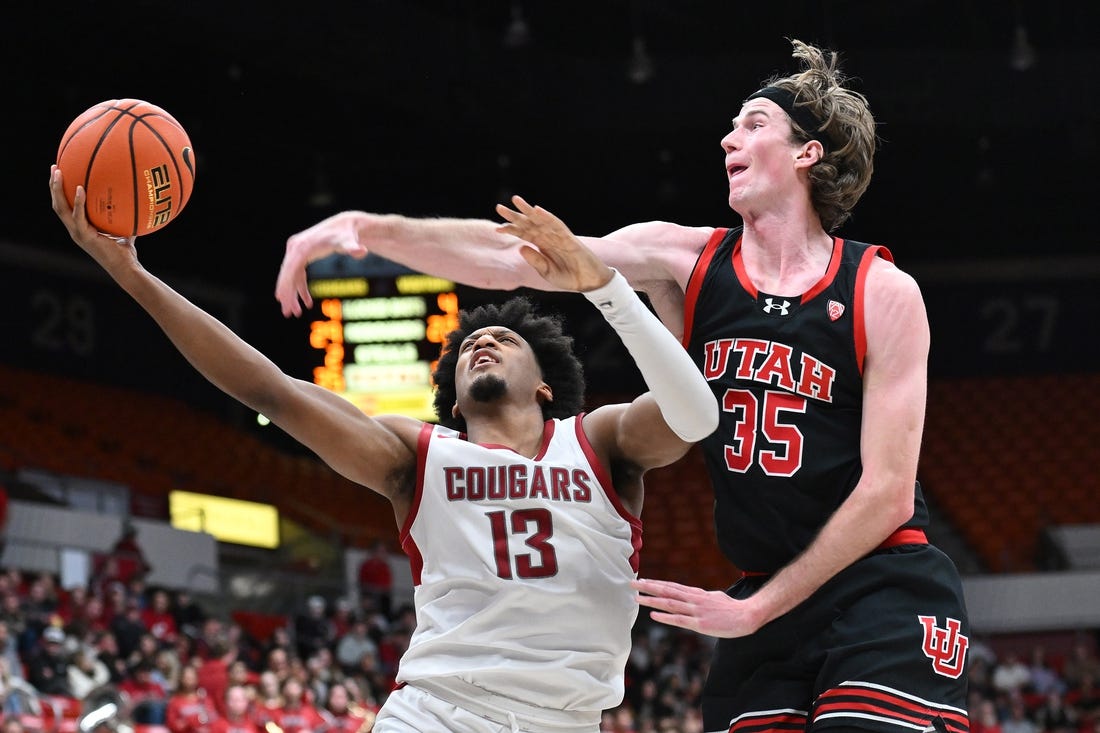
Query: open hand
[
  {"x": 709, "y": 612},
  {"x": 555, "y": 253}
]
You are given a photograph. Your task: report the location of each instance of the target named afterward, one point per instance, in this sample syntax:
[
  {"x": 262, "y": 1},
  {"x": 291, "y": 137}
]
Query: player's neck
[
  {"x": 785, "y": 255},
  {"x": 520, "y": 430}
]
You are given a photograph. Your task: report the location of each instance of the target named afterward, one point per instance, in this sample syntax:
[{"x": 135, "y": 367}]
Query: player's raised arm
[
  {"x": 679, "y": 408},
  {"x": 474, "y": 252},
  {"x": 370, "y": 452}
]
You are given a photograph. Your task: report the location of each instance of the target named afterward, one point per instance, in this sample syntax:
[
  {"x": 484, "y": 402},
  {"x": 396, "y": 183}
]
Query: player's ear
[
  {"x": 809, "y": 154},
  {"x": 455, "y": 412},
  {"x": 544, "y": 394}
]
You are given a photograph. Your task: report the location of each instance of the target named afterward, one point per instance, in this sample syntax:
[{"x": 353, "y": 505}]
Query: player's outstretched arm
[
  {"x": 329, "y": 425},
  {"x": 679, "y": 409},
  {"x": 655, "y": 257}
]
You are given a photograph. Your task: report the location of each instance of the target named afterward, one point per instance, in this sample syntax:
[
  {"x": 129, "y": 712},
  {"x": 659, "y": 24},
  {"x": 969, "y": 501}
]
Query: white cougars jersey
[{"x": 522, "y": 570}]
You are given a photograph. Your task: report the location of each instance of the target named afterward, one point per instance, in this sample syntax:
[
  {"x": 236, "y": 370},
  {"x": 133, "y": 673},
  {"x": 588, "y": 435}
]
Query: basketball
[{"x": 135, "y": 162}]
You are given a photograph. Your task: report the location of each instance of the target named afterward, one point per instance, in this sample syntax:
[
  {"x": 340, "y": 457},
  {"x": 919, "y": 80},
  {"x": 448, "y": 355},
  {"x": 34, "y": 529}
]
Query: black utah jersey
[{"x": 787, "y": 372}]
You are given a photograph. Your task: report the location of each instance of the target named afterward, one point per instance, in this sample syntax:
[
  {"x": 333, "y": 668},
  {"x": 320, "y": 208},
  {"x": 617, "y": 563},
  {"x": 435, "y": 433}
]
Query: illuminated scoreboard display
[{"x": 380, "y": 332}]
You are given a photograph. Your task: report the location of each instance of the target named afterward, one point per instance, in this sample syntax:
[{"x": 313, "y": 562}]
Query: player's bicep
[
  {"x": 895, "y": 379},
  {"x": 652, "y": 252},
  {"x": 369, "y": 451},
  {"x": 635, "y": 432}
]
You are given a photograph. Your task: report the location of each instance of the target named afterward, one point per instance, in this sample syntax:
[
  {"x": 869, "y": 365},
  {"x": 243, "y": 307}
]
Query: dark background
[{"x": 988, "y": 116}]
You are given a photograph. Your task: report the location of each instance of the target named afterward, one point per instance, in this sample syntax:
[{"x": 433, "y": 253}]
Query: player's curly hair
[
  {"x": 842, "y": 175},
  {"x": 553, "y": 351}
]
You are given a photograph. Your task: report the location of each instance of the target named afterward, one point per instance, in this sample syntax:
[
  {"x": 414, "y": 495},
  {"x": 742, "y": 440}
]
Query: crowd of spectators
[
  {"x": 167, "y": 662},
  {"x": 1034, "y": 691},
  {"x": 330, "y": 666}
]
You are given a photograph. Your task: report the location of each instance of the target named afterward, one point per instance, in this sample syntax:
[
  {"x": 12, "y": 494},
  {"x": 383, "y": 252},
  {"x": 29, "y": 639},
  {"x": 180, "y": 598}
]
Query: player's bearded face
[{"x": 488, "y": 388}]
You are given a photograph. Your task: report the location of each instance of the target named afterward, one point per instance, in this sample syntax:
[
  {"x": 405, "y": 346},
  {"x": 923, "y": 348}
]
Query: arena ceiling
[{"x": 605, "y": 111}]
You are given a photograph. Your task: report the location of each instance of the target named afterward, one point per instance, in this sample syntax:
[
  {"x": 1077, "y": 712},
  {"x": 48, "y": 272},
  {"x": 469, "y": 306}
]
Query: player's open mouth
[
  {"x": 733, "y": 170},
  {"x": 482, "y": 358}
]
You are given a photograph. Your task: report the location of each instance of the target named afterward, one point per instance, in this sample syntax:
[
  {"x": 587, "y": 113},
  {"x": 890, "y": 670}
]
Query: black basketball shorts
[{"x": 881, "y": 647}]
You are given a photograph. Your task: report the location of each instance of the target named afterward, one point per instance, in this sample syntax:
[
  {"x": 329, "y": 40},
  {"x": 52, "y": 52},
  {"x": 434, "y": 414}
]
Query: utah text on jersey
[{"x": 771, "y": 363}]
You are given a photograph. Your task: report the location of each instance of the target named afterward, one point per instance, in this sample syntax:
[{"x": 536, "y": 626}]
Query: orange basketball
[{"x": 135, "y": 162}]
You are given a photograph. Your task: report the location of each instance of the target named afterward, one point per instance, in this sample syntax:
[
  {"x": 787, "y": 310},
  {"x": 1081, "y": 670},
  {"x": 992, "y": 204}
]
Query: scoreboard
[{"x": 379, "y": 334}]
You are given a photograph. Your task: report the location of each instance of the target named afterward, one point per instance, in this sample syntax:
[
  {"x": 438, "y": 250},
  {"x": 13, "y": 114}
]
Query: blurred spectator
[
  {"x": 320, "y": 673},
  {"x": 342, "y": 715},
  {"x": 238, "y": 673},
  {"x": 188, "y": 709},
  {"x": 342, "y": 618},
  {"x": 1017, "y": 720},
  {"x": 107, "y": 651},
  {"x": 48, "y": 668},
  {"x": 312, "y": 630},
  {"x": 15, "y": 692},
  {"x": 278, "y": 663},
  {"x": 1054, "y": 717},
  {"x": 38, "y": 610},
  {"x": 188, "y": 614},
  {"x": 1011, "y": 675},
  {"x": 236, "y": 719},
  {"x": 146, "y": 701},
  {"x": 214, "y": 667},
  {"x": 376, "y": 578},
  {"x": 124, "y": 562},
  {"x": 86, "y": 672},
  {"x": 128, "y": 630},
  {"x": 1082, "y": 661},
  {"x": 1085, "y": 698},
  {"x": 12, "y": 724},
  {"x": 9, "y": 651},
  {"x": 71, "y": 604},
  {"x": 11, "y": 613},
  {"x": 167, "y": 668},
  {"x": 279, "y": 639},
  {"x": 158, "y": 618},
  {"x": 145, "y": 651},
  {"x": 984, "y": 719},
  {"x": 89, "y": 619},
  {"x": 297, "y": 714},
  {"x": 1044, "y": 679},
  {"x": 269, "y": 699},
  {"x": 353, "y": 645}
]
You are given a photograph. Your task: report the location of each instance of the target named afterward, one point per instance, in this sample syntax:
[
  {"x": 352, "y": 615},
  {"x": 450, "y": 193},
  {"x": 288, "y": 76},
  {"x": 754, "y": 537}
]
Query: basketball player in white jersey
[{"x": 521, "y": 519}]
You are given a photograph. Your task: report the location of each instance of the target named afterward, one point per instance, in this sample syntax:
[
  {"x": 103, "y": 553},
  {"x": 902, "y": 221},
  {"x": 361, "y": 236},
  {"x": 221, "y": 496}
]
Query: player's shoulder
[
  {"x": 890, "y": 289},
  {"x": 665, "y": 233}
]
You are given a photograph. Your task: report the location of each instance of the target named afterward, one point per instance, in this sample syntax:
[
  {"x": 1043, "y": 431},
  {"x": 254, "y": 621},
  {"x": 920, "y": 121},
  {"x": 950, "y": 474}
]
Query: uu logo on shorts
[{"x": 946, "y": 647}]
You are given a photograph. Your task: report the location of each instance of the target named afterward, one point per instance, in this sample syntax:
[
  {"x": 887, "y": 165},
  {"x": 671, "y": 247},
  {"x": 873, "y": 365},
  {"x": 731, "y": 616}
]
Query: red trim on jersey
[
  {"x": 695, "y": 281},
  {"x": 904, "y": 536},
  {"x": 860, "y": 699},
  {"x": 830, "y": 271},
  {"x": 604, "y": 477},
  {"x": 742, "y": 274},
  {"x": 792, "y": 720},
  {"x": 858, "y": 324},
  {"x": 408, "y": 544}
]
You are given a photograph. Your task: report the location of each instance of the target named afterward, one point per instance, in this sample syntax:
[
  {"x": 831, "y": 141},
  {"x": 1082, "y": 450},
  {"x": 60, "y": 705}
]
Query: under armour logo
[
  {"x": 946, "y": 647},
  {"x": 783, "y": 307}
]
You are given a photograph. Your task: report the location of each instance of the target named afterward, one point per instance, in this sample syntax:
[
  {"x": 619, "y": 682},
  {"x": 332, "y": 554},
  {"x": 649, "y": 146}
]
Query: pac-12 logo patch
[
  {"x": 945, "y": 646},
  {"x": 836, "y": 310}
]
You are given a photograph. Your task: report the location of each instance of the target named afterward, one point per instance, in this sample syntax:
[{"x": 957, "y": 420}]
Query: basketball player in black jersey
[{"x": 816, "y": 347}]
